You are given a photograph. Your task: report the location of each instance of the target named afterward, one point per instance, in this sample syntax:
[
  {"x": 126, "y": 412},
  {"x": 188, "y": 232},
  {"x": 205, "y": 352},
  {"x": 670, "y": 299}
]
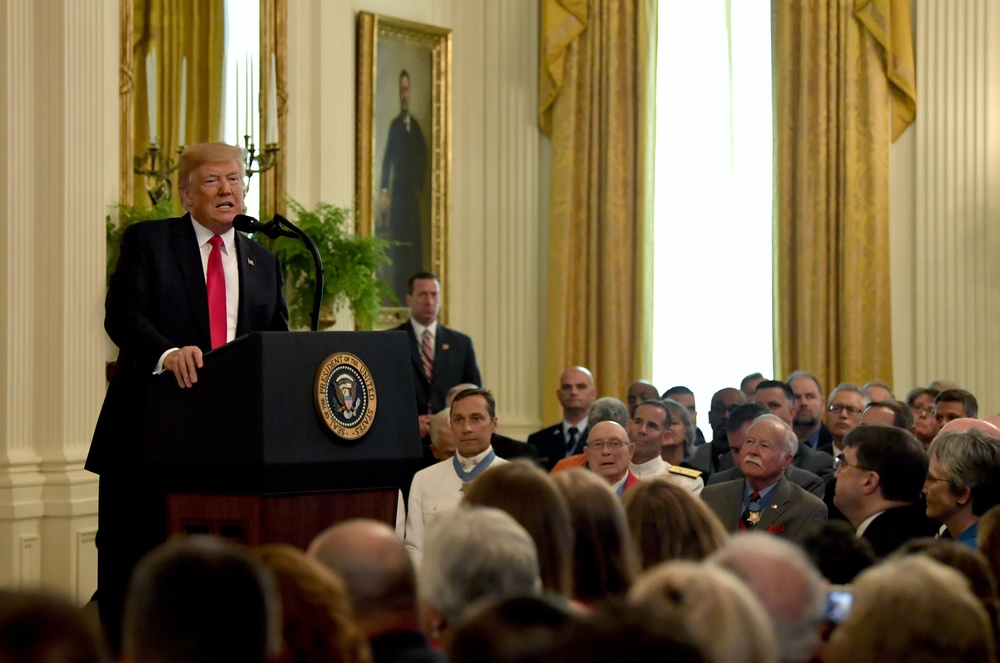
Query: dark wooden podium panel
[{"x": 293, "y": 518}]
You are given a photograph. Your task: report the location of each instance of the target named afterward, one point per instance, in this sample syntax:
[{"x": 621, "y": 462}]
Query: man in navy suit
[
  {"x": 157, "y": 312},
  {"x": 576, "y": 393},
  {"x": 441, "y": 357}
]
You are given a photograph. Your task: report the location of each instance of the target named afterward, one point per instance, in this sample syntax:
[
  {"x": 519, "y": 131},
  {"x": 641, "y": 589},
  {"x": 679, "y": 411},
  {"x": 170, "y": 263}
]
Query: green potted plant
[
  {"x": 127, "y": 215},
  {"x": 350, "y": 261}
]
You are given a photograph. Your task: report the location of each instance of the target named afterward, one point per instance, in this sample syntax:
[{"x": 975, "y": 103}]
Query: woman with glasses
[
  {"x": 963, "y": 481},
  {"x": 921, "y": 401}
]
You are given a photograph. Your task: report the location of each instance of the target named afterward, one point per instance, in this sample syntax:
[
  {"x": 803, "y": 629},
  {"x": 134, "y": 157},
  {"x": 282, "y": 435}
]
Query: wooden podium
[{"x": 246, "y": 455}]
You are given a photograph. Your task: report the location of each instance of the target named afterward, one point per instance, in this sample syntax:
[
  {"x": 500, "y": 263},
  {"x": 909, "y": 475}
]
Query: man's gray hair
[
  {"x": 850, "y": 386},
  {"x": 791, "y": 439},
  {"x": 788, "y": 585},
  {"x": 678, "y": 411},
  {"x": 805, "y": 374},
  {"x": 475, "y": 552},
  {"x": 607, "y": 408}
]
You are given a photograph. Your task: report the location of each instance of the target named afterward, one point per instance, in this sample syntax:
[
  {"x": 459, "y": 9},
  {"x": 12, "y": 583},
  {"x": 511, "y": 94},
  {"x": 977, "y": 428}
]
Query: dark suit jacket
[
  {"x": 792, "y": 513},
  {"x": 819, "y": 463},
  {"x": 802, "y": 478},
  {"x": 156, "y": 301},
  {"x": 508, "y": 448},
  {"x": 550, "y": 443},
  {"x": 701, "y": 459},
  {"x": 825, "y": 442},
  {"x": 894, "y": 527},
  {"x": 454, "y": 363}
]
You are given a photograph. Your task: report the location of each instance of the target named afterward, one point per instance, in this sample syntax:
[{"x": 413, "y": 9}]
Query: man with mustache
[{"x": 765, "y": 500}]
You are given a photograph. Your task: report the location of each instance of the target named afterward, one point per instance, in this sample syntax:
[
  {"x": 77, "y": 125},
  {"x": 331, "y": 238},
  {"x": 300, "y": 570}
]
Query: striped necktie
[{"x": 427, "y": 354}]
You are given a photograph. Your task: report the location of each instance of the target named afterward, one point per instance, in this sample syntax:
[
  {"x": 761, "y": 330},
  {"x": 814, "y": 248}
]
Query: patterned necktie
[
  {"x": 427, "y": 354},
  {"x": 215, "y": 283},
  {"x": 571, "y": 442},
  {"x": 752, "y": 514}
]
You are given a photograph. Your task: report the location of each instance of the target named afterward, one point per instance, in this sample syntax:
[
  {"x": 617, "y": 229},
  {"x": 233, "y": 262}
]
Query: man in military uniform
[{"x": 649, "y": 430}]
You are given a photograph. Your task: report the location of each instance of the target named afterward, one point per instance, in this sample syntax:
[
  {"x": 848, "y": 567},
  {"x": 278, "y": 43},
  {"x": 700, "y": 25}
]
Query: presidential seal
[{"x": 345, "y": 395}]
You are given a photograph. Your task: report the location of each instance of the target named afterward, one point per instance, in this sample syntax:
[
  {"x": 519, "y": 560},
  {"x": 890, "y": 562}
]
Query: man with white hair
[
  {"x": 765, "y": 500},
  {"x": 474, "y": 553},
  {"x": 787, "y": 584}
]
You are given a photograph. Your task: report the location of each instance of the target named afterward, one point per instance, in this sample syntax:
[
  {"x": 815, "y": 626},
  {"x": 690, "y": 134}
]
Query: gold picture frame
[{"x": 403, "y": 171}]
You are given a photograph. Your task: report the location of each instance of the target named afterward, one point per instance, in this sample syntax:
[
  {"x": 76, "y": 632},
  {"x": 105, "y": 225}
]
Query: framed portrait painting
[{"x": 404, "y": 148}]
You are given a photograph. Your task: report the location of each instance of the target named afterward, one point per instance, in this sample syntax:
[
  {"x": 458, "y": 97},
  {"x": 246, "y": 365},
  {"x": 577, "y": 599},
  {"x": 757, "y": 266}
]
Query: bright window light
[{"x": 243, "y": 47}]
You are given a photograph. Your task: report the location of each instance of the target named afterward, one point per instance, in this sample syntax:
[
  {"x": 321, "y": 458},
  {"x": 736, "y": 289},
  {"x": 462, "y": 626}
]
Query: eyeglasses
[
  {"x": 837, "y": 409},
  {"x": 925, "y": 411},
  {"x": 600, "y": 445},
  {"x": 840, "y": 462}
]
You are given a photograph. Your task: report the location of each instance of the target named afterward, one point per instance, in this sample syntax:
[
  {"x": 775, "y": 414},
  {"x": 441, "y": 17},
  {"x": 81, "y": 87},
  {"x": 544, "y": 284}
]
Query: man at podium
[{"x": 181, "y": 287}]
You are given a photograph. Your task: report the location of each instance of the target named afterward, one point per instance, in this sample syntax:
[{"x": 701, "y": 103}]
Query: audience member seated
[
  {"x": 685, "y": 397},
  {"x": 736, "y": 433},
  {"x": 476, "y": 552},
  {"x": 706, "y": 456},
  {"x": 43, "y": 628},
  {"x": 921, "y": 401},
  {"x": 667, "y": 522},
  {"x": 765, "y": 499},
  {"x": 505, "y": 447},
  {"x": 649, "y": 431},
  {"x": 748, "y": 385},
  {"x": 680, "y": 447},
  {"x": 723, "y": 617},
  {"x": 916, "y": 610},
  {"x": 201, "y": 600},
  {"x": 510, "y": 630},
  {"x": 876, "y": 391},
  {"x": 381, "y": 584},
  {"x": 575, "y": 393},
  {"x": 838, "y": 553},
  {"x": 604, "y": 560},
  {"x": 888, "y": 413},
  {"x": 963, "y": 481},
  {"x": 437, "y": 490},
  {"x": 640, "y": 391},
  {"x": 790, "y": 588},
  {"x": 843, "y": 414},
  {"x": 880, "y": 475},
  {"x": 315, "y": 609},
  {"x": 442, "y": 440},
  {"x": 810, "y": 404},
  {"x": 529, "y": 495},
  {"x": 970, "y": 563},
  {"x": 968, "y": 423},
  {"x": 952, "y": 404},
  {"x": 606, "y": 408}
]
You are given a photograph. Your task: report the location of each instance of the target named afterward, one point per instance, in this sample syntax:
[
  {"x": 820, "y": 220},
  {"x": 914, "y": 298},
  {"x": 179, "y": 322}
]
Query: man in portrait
[{"x": 404, "y": 170}]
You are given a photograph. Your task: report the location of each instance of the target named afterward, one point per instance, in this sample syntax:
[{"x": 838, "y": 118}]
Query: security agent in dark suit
[
  {"x": 880, "y": 476},
  {"x": 709, "y": 457},
  {"x": 157, "y": 313},
  {"x": 453, "y": 359},
  {"x": 576, "y": 392}
]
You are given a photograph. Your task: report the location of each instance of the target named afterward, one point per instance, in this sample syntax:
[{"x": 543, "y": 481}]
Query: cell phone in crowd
[{"x": 838, "y": 603}]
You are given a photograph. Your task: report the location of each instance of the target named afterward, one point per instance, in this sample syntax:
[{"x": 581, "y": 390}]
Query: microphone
[{"x": 248, "y": 224}]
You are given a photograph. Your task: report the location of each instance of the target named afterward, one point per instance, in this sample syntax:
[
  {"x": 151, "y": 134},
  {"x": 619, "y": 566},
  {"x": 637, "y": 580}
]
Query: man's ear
[{"x": 871, "y": 483}]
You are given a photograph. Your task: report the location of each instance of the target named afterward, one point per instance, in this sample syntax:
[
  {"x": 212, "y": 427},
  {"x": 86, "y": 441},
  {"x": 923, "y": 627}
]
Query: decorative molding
[{"x": 29, "y": 560}]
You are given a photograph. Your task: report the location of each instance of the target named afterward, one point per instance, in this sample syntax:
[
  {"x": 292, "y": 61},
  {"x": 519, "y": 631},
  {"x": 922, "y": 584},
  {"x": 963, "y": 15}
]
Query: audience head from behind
[
  {"x": 201, "y": 600},
  {"x": 442, "y": 437},
  {"x": 785, "y": 581},
  {"x": 963, "y": 481},
  {"x": 530, "y": 496},
  {"x": 604, "y": 559},
  {"x": 838, "y": 552},
  {"x": 475, "y": 552},
  {"x": 36, "y": 627},
  {"x": 724, "y": 619},
  {"x": 315, "y": 609},
  {"x": 510, "y": 629},
  {"x": 639, "y": 391},
  {"x": 607, "y": 408},
  {"x": 916, "y": 610},
  {"x": 668, "y": 522},
  {"x": 454, "y": 391}
]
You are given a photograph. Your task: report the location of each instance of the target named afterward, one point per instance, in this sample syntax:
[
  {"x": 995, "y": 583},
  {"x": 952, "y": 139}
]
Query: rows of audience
[{"x": 848, "y": 527}]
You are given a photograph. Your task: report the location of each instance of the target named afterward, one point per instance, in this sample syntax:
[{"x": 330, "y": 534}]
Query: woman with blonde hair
[
  {"x": 318, "y": 626},
  {"x": 668, "y": 522},
  {"x": 724, "y": 619}
]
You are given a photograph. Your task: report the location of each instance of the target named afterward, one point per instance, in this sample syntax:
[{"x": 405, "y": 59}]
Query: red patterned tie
[
  {"x": 427, "y": 354},
  {"x": 215, "y": 283}
]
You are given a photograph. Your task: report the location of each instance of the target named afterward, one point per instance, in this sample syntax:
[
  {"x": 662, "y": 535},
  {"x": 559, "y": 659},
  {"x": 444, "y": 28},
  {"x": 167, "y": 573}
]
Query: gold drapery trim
[
  {"x": 590, "y": 92},
  {"x": 888, "y": 21},
  {"x": 831, "y": 128},
  {"x": 178, "y": 28}
]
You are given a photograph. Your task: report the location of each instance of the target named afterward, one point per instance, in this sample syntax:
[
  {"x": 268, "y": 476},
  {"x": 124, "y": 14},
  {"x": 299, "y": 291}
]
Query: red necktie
[{"x": 215, "y": 283}]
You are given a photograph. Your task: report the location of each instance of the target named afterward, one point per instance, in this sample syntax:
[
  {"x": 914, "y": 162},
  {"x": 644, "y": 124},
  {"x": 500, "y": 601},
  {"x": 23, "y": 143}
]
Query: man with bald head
[
  {"x": 373, "y": 563},
  {"x": 576, "y": 392},
  {"x": 765, "y": 500},
  {"x": 640, "y": 391},
  {"x": 706, "y": 456},
  {"x": 609, "y": 453}
]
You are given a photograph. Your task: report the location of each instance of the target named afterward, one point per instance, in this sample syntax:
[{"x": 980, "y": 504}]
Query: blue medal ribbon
[{"x": 484, "y": 465}]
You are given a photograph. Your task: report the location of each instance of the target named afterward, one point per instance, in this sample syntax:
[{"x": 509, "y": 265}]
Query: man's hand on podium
[{"x": 184, "y": 364}]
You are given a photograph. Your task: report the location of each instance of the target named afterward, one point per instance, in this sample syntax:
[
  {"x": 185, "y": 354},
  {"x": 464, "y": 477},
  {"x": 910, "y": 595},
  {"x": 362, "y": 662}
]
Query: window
[{"x": 243, "y": 47}]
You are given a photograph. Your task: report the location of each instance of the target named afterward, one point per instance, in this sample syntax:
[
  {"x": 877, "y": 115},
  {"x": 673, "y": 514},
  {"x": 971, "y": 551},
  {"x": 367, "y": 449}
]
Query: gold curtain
[
  {"x": 596, "y": 67},
  {"x": 888, "y": 21},
  {"x": 178, "y": 28},
  {"x": 832, "y": 124}
]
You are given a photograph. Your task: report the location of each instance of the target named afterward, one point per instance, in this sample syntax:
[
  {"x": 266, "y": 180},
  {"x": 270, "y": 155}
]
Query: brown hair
[
  {"x": 529, "y": 495},
  {"x": 667, "y": 522},
  {"x": 318, "y": 625},
  {"x": 202, "y": 153}
]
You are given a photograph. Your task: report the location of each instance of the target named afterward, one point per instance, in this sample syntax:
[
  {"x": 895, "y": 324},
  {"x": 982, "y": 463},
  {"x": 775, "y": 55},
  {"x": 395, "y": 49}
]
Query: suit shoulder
[
  {"x": 452, "y": 334},
  {"x": 801, "y": 494},
  {"x": 156, "y": 227},
  {"x": 546, "y": 432}
]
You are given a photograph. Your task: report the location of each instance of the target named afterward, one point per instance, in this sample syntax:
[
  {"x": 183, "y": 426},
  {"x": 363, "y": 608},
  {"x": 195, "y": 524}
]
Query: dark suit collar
[
  {"x": 188, "y": 257},
  {"x": 247, "y": 259}
]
